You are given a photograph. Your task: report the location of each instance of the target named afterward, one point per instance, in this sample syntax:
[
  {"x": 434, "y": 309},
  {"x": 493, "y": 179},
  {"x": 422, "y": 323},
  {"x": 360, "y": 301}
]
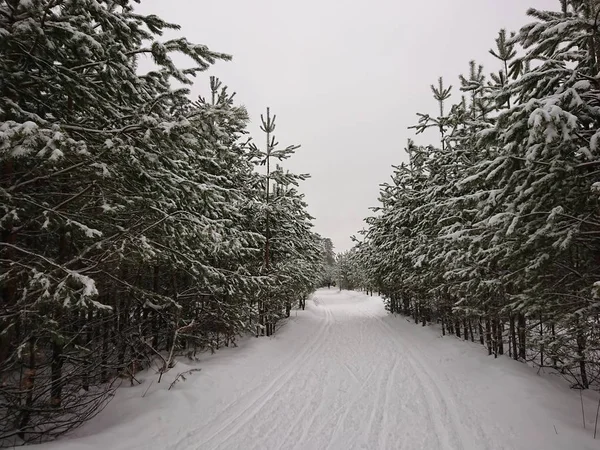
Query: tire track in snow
[
  {"x": 378, "y": 405},
  {"x": 388, "y": 348},
  {"x": 313, "y": 401},
  {"x": 364, "y": 414},
  {"x": 455, "y": 437},
  {"x": 338, "y": 341},
  {"x": 308, "y": 427},
  {"x": 448, "y": 398},
  {"x": 281, "y": 381},
  {"x": 383, "y": 441},
  {"x": 347, "y": 408},
  {"x": 368, "y": 410},
  {"x": 308, "y": 400},
  {"x": 226, "y": 418},
  {"x": 354, "y": 377}
]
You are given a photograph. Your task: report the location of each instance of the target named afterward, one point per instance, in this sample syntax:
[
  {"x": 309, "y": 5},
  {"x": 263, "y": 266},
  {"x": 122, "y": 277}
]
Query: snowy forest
[
  {"x": 141, "y": 225},
  {"x": 492, "y": 231},
  {"x": 138, "y": 224}
]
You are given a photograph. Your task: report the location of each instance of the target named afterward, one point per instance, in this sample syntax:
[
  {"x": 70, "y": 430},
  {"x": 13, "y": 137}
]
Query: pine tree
[
  {"x": 496, "y": 228},
  {"x": 130, "y": 216},
  {"x": 329, "y": 263}
]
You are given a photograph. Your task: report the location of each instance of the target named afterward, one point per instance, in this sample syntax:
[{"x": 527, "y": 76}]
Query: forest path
[
  {"x": 344, "y": 375},
  {"x": 359, "y": 379}
]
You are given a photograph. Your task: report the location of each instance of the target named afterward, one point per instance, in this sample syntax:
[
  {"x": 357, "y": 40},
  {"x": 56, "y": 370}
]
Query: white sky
[{"x": 345, "y": 78}]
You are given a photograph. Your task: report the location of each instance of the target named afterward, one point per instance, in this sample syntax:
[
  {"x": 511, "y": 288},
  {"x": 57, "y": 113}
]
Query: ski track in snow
[
  {"x": 345, "y": 375},
  {"x": 240, "y": 414}
]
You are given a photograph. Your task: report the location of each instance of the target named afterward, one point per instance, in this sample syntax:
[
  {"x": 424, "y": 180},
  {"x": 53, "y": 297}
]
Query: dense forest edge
[
  {"x": 492, "y": 232},
  {"x": 137, "y": 224}
]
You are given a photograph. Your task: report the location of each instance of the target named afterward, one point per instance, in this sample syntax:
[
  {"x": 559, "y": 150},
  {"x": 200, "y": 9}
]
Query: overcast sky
[{"x": 345, "y": 79}]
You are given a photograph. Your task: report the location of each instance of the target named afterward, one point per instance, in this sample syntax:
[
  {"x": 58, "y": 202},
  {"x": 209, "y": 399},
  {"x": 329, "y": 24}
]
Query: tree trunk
[
  {"x": 155, "y": 315},
  {"x": 105, "y": 340},
  {"x": 522, "y": 330},
  {"x": 581, "y": 346},
  {"x": 85, "y": 380},
  {"x": 554, "y": 359},
  {"x": 488, "y": 334},
  {"x": 513, "y": 336},
  {"x": 406, "y": 305},
  {"x": 9, "y": 290},
  {"x": 494, "y": 335},
  {"x": 56, "y": 375},
  {"x": 471, "y": 330},
  {"x": 480, "y": 326},
  {"x": 500, "y": 338},
  {"x": 541, "y": 340},
  {"x": 27, "y": 386}
]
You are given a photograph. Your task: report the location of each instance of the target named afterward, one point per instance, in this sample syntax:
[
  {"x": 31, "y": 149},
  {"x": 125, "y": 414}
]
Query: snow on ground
[{"x": 345, "y": 375}]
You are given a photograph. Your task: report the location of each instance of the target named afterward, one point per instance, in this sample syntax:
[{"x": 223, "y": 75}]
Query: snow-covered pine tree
[
  {"x": 505, "y": 216},
  {"x": 293, "y": 254},
  {"x": 127, "y": 211},
  {"x": 329, "y": 271},
  {"x": 549, "y": 209}
]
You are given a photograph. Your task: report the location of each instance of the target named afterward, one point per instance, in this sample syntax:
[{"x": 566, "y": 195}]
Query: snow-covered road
[{"x": 345, "y": 375}]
